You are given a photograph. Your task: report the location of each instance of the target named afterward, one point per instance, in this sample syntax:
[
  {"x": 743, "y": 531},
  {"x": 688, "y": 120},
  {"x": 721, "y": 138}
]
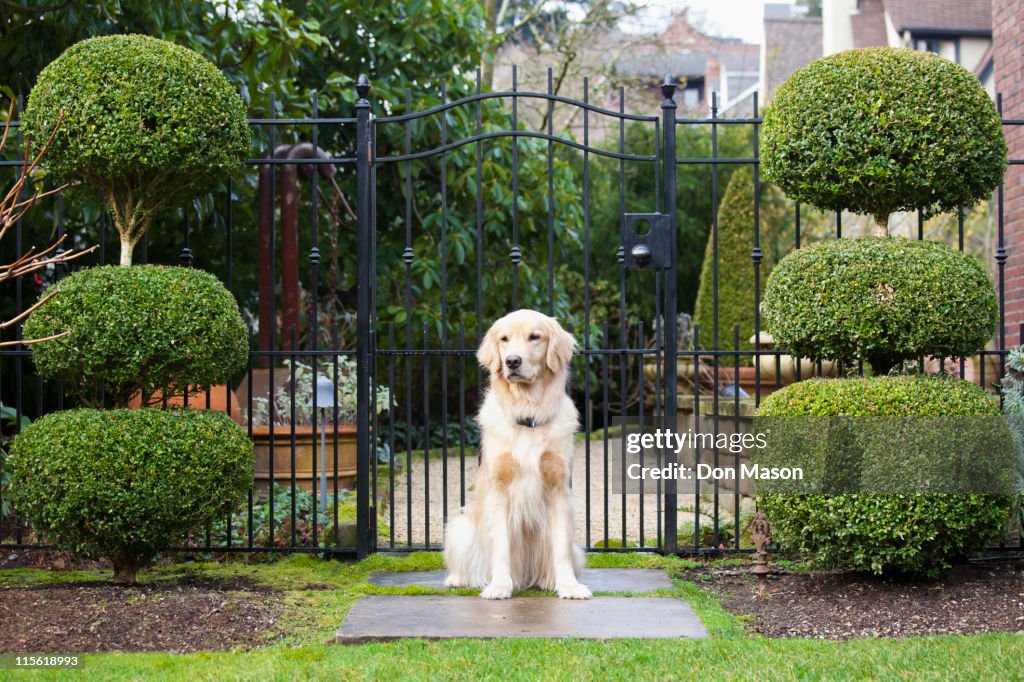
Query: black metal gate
[{"x": 404, "y": 504}]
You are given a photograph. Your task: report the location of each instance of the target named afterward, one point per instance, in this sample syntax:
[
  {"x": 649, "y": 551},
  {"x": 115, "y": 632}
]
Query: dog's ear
[
  {"x": 561, "y": 346},
  {"x": 489, "y": 355}
]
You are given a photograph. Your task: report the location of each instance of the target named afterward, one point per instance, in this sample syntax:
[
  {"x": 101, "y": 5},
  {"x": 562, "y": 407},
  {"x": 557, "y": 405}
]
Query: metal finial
[
  {"x": 363, "y": 86},
  {"x": 668, "y": 86}
]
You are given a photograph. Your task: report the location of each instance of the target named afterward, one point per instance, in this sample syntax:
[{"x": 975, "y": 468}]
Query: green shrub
[
  {"x": 735, "y": 267},
  {"x": 881, "y": 130},
  {"x": 145, "y": 328},
  {"x": 911, "y": 533},
  {"x": 148, "y": 123},
  {"x": 881, "y": 299},
  {"x": 127, "y": 483}
]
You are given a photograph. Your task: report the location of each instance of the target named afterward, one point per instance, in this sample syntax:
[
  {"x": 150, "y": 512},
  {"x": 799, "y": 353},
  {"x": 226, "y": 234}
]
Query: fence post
[
  {"x": 363, "y": 284},
  {"x": 668, "y": 112}
]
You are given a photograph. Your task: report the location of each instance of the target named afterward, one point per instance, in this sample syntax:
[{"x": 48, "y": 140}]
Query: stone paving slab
[
  {"x": 389, "y": 617},
  {"x": 597, "y": 579}
]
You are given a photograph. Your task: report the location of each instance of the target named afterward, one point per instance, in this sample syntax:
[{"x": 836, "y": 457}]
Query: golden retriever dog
[{"x": 519, "y": 531}]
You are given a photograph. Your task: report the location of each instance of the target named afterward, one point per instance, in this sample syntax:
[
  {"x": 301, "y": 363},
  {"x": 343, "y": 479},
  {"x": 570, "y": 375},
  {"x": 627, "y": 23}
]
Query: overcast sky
[{"x": 732, "y": 18}]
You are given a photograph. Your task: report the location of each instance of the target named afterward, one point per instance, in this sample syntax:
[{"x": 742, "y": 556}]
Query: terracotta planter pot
[
  {"x": 221, "y": 400},
  {"x": 307, "y": 450}
]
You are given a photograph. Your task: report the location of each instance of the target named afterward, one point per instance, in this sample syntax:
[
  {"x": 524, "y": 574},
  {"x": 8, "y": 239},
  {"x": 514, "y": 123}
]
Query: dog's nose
[{"x": 513, "y": 361}]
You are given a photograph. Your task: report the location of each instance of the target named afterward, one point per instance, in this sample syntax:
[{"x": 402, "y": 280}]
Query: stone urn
[{"x": 787, "y": 364}]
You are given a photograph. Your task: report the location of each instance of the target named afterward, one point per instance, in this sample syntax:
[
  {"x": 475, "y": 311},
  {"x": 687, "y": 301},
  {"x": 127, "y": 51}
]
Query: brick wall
[{"x": 1007, "y": 25}]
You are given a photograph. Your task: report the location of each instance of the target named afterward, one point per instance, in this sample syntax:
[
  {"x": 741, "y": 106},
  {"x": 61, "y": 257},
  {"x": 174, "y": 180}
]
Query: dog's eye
[
  {"x": 534, "y": 337},
  {"x": 504, "y": 339}
]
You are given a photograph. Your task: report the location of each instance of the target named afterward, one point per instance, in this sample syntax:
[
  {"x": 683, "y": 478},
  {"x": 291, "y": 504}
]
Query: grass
[{"x": 301, "y": 647}]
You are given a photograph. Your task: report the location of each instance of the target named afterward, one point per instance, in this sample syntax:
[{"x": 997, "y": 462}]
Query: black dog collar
[{"x": 530, "y": 423}]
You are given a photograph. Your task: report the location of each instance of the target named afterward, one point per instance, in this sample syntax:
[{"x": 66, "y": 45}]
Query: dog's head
[{"x": 525, "y": 345}]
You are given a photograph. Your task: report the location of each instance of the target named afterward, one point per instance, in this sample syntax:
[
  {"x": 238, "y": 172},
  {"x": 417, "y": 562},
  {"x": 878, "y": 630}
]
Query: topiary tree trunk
[
  {"x": 882, "y": 225},
  {"x": 127, "y": 565},
  {"x": 129, "y": 220}
]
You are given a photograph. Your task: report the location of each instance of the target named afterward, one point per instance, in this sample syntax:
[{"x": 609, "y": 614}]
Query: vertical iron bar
[
  {"x": 1001, "y": 256},
  {"x": 444, "y": 308},
  {"x": 668, "y": 110},
  {"x": 587, "y": 406},
  {"x": 716, "y": 331},
  {"x": 462, "y": 415},
  {"x": 604, "y": 388},
  {"x": 426, "y": 437},
  {"x": 314, "y": 275},
  {"x": 757, "y": 255},
  {"x": 408, "y": 257},
  {"x": 551, "y": 207},
  {"x": 391, "y": 437},
  {"x": 363, "y": 285},
  {"x": 515, "y": 254}
]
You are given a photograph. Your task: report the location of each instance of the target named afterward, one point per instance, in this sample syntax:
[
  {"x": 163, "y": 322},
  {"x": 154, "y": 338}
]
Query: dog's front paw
[
  {"x": 497, "y": 590},
  {"x": 454, "y": 581},
  {"x": 576, "y": 591}
]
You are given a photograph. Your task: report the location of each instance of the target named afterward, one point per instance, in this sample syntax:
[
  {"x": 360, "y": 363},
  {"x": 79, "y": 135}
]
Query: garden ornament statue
[{"x": 760, "y": 535}]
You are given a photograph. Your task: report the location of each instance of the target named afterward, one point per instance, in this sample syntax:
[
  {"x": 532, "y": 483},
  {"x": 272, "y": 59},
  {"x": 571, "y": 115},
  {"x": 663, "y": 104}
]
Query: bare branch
[
  {"x": 31, "y": 342},
  {"x": 31, "y": 309}
]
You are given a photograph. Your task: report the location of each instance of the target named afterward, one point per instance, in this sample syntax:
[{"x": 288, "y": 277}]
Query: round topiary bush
[
  {"x": 146, "y": 328},
  {"x": 880, "y": 299},
  {"x": 126, "y": 483},
  {"x": 910, "y": 533},
  {"x": 884, "y": 129},
  {"x": 148, "y": 123}
]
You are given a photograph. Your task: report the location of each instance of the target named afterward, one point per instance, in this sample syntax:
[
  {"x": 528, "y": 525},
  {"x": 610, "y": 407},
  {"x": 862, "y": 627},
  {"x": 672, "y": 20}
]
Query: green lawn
[{"x": 302, "y": 649}]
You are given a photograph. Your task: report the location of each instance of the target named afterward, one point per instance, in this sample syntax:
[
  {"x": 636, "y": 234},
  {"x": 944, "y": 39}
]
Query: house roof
[
  {"x": 687, "y": 63},
  {"x": 868, "y": 24},
  {"x": 788, "y": 45},
  {"x": 941, "y": 15}
]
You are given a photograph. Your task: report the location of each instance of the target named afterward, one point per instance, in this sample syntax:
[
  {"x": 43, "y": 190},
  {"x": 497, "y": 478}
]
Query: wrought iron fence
[{"x": 440, "y": 218}]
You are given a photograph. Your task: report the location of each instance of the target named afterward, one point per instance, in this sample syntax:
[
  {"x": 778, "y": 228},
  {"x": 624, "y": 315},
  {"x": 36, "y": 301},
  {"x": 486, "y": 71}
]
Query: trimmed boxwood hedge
[
  {"x": 735, "y": 267},
  {"x": 880, "y": 130},
  {"x": 148, "y": 123},
  {"x": 144, "y": 328},
  {"x": 126, "y": 483},
  {"x": 885, "y": 532},
  {"x": 881, "y": 299}
]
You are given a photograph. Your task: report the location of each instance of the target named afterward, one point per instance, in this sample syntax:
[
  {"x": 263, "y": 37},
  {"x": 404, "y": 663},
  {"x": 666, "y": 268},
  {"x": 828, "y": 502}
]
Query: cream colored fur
[{"x": 519, "y": 532}]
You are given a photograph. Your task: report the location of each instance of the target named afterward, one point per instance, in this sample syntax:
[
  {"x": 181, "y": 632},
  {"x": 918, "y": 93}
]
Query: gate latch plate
[{"x": 650, "y": 251}]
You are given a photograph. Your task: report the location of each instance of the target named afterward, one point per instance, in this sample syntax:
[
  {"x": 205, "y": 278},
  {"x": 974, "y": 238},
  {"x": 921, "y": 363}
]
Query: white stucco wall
[{"x": 836, "y": 29}]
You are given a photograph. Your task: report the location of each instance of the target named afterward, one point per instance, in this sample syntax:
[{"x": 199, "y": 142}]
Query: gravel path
[{"x": 424, "y": 523}]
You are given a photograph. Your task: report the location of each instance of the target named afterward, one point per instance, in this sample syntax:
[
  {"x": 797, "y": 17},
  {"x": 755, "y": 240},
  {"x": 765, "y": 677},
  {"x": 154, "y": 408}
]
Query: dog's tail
[{"x": 465, "y": 559}]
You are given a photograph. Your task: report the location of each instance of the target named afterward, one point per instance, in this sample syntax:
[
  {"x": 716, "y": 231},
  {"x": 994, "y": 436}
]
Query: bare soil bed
[
  {"x": 184, "y": 615},
  {"x": 978, "y": 597}
]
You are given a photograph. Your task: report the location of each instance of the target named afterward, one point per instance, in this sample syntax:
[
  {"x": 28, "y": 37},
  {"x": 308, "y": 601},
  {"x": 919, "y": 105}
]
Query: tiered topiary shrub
[
  {"x": 735, "y": 268},
  {"x": 148, "y": 123},
  {"x": 876, "y": 131},
  {"x": 125, "y": 484},
  {"x": 882, "y": 299},
  {"x": 880, "y": 436},
  {"x": 145, "y": 329},
  {"x": 881, "y": 130}
]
